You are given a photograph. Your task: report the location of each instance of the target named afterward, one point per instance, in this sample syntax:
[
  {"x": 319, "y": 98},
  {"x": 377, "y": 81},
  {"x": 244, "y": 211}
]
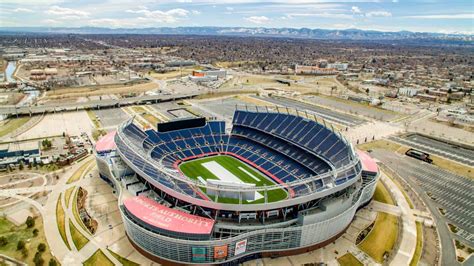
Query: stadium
[{"x": 274, "y": 182}]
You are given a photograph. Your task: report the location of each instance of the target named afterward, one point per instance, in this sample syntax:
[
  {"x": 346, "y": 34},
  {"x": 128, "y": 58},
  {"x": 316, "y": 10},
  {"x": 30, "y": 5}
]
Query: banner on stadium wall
[
  {"x": 199, "y": 254},
  {"x": 220, "y": 252},
  {"x": 240, "y": 247}
]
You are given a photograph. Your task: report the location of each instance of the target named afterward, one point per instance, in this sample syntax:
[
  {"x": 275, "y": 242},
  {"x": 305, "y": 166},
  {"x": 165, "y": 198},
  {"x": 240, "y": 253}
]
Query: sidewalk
[{"x": 404, "y": 255}]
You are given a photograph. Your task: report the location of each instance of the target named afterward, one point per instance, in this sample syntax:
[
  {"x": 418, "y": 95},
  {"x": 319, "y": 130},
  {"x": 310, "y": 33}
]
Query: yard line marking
[
  {"x": 225, "y": 175},
  {"x": 248, "y": 173},
  {"x": 202, "y": 180}
]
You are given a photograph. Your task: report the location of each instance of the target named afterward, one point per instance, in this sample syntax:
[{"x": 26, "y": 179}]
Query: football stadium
[{"x": 274, "y": 182}]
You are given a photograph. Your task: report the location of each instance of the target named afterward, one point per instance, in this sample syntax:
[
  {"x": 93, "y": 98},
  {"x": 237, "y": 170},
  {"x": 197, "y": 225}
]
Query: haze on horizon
[{"x": 390, "y": 15}]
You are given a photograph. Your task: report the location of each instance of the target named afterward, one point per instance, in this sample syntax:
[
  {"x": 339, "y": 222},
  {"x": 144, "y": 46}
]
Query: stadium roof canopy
[
  {"x": 368, "y": 163},
  {"x": 106, "y": 143}
]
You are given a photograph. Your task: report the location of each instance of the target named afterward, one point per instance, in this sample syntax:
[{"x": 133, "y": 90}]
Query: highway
[
  {"x": 327, "y": 114},
  {"x": 95, "y": 104},
  {"x": 451, "y": 192}
]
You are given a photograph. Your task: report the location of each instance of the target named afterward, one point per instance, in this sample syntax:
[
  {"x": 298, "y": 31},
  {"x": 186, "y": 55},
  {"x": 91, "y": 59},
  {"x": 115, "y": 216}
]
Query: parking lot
[
  {"x": 352, "y": 107},
  {"x": 439, "y": 189},
  {"x": 327, "y": 114},
  {"x": 224, "y": 107},
  {"x": 444, "y": 149},
  {"x": 111, "y": 117}
]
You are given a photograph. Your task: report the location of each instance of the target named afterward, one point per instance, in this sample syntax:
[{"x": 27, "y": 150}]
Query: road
[
  {"x": 451, "y": 192},
  {"x": 327, "y": 114},
  {"x": 94, "y": 104},
  {"x": 462, "y": 154}
]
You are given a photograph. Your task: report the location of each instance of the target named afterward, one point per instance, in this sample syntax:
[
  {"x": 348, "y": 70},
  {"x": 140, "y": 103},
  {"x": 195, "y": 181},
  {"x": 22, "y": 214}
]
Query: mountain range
[{"x": 347, "y": 34}]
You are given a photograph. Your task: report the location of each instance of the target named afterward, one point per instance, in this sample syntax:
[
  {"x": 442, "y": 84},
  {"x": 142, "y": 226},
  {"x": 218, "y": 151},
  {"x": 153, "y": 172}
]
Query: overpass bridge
[{"x": 12, "y": 110}]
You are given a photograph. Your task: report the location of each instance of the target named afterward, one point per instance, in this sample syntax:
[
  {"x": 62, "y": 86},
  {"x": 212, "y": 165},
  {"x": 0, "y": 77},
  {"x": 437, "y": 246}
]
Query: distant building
[
  {"x": 427, "y": 97},
  {"x": 456, "y": 116},
  {"x": 408, "y": 92},
  {"x": 219, "y": 73},
  {"x": 315, "y": 70},
  {"x": 339, "y": 66},
  {"x": 180, "y": 63},
  {"x": 19, "y": 149}
]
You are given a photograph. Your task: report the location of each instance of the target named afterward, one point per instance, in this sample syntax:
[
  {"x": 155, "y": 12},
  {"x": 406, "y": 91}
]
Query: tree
[
  {"x": 42, "y": 247},
  {"x": 20, "y": 245},
  {"x": 38, "y": 260},
  {"x": 52, "y": 262},
  {"x": 35, "y": 232},
  {"x": 3, "y": 241},
  {"x": 30, "y": 222}
]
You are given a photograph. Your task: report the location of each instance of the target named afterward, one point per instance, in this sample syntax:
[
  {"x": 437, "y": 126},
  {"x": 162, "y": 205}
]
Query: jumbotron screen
[{"x": 181, "y": 124}]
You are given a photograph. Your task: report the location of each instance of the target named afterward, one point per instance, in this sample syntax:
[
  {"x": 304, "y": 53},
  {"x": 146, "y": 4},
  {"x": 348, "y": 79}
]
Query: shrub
[
  {"x": 30, "y": 222},
  {"x": 3, "y": 241},
  {"x": 20, "y": 245},
  {"x": 35, "y": 232},
  {"x": 52, "y": 262},
  {"x": 41, "y": 247},
  {"x": 38, "y": 260}
]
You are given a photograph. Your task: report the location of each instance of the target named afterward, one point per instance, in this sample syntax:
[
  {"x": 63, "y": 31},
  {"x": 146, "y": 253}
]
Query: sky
[{"x": 385, "y": 15}]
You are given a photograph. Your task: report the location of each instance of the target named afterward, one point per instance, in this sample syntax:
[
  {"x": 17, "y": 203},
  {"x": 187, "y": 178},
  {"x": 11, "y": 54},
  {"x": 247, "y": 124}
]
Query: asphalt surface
[
  {"x": 451, "y": 151},
  {"x": 225, "y": 107},
  {"x": 448, "y": 191},
  {"x": 354, "y": 108},
  {"x": 111, "y": 117},
  {"x": 327, "y": 114}
]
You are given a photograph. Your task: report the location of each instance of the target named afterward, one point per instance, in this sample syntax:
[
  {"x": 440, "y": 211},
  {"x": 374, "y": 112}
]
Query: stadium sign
[
  {"x": 240, "y": 247},
  {"x": 220, "y": 252},
  {"x": 199, "y": 254},
  {"x": 152, "y": 213}
]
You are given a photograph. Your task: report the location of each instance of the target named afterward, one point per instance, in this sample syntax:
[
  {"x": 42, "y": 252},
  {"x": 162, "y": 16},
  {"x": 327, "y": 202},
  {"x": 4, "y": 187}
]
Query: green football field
[{"x": 230, "y": 169}]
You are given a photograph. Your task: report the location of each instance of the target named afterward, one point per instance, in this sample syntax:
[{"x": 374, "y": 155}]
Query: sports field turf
[{"x": 195, "y": 169}]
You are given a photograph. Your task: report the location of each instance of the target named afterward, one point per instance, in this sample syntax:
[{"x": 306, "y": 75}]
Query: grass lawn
[
  {"x": 194, "y": 168},
  {"x": 11, "y": 124},
  {"x": 67, "y": 196},
  {"x": 382, "y": 237},
  {"x": 93, "y": 118},
  {"x": 383, "y": 144},
  {"x": 98, "y": 258},
  {"x": 459, "y": 169},
  {"x": 138, "y": 109},
  {"x": 14, "y": 233},
  {"x": 151, "y": 119},
  {"x": 419, "y": 244},
  {"x": 123, "y": 260},
  {"x": 381, "y": 194},
  {"x": 77, "y": 237},
  {"x": 349, "y": 260},
  {"x": 77, "y": 175},
  {"x": 61, "y": 221},
  {"x": 407, "y": 198}
]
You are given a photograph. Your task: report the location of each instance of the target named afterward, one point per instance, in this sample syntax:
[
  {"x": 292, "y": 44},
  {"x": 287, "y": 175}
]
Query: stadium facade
[{"x": 172, "y": 218}]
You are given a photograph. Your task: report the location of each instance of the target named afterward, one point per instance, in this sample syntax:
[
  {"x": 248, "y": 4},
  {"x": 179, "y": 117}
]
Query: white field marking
[
  {"x": 202, "y": 180},
  {"x": 248, "y": 173},
  {"x": 225, "y": 175}
]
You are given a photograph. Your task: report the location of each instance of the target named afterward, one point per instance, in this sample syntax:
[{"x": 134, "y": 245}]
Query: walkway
[
  {"x": 408, "y": 236},
  {"x": 48, "y": 212}
]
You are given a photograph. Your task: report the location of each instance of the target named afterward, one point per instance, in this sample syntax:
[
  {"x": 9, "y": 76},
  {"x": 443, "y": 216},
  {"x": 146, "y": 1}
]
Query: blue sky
[{"x": 390, "y": 15}]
